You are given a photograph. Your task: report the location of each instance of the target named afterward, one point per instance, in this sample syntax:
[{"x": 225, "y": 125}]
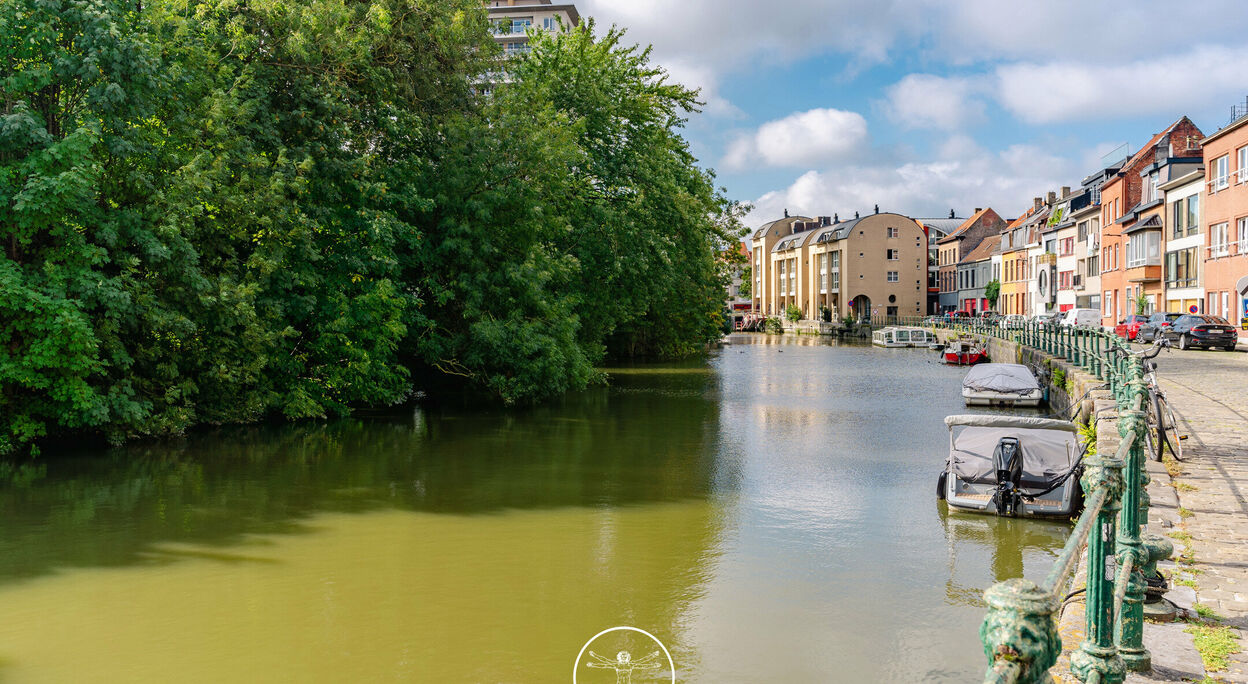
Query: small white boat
[
  {"x": 1012, "y": 466},
  {"x": 902, "y": 337},
  {"x": 1001, "y": 384}
]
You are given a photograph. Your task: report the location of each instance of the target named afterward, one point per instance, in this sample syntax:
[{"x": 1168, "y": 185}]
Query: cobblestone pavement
[{"x": 1208, "y": 390}]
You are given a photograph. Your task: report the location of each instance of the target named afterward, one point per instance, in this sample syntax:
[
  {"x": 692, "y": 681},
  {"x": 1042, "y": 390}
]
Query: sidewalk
[{"x": 1209, "y": 392}]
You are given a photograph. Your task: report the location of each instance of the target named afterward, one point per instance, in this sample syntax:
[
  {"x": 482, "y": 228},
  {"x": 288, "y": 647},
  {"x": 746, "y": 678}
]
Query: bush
[
  {"x": 773, "y": 325},
  {"x": 793, "y": 313}
]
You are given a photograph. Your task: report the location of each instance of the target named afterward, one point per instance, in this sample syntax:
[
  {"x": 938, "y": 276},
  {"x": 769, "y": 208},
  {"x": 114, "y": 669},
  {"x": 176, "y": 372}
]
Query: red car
[{"x": 1129, "y": 327}]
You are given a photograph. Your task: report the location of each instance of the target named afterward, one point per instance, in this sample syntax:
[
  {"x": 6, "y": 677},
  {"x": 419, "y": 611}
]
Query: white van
[{"x": 1083, "y": 317}]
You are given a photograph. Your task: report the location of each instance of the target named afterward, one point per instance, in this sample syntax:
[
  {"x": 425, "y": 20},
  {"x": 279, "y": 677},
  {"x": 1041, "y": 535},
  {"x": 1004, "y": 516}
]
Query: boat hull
[
  {"x": 968, "y": 497},
  {"x": 964, "y": 358}
]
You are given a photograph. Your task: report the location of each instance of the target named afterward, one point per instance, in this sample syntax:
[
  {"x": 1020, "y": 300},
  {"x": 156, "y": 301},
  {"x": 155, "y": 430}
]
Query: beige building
[
  {"x": 874, "y": 266},
  {"x": 511, "y": 20}
]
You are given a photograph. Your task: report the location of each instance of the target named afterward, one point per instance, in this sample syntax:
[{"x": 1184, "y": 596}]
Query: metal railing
[{"x": 1020, "y": 633}]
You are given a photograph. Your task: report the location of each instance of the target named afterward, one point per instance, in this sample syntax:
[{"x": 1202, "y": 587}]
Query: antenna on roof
[
  {"x": 786, "y": 213},
  {"x": 855, "y": 214},
  {"x": 951, "y": 214},
  {"x": 877, "y": 208}
]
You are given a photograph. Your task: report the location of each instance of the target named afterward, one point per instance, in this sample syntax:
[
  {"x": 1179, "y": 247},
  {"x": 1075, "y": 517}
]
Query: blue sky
[{"x": 823, "y": 106}]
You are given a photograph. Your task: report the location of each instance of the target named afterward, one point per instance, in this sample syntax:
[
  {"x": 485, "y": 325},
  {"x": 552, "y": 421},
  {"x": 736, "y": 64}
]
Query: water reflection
[{"x": 768, "y": 514}]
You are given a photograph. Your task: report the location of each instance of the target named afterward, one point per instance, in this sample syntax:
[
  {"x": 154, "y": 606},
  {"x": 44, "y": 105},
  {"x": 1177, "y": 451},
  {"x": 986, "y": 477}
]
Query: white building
[
  {"x": 512, "y": 19},
  {"x": 1185, "y": 242}
]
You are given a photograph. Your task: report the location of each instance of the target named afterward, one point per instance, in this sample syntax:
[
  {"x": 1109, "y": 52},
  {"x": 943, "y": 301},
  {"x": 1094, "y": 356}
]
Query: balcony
[
  {"x": 1149, "y": 273},
  {"x": 1224, "y": 250},
  {"x": 1048, "y": 258}
]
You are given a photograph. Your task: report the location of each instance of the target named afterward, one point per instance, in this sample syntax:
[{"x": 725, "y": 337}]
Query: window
[
  {"x": 1065, "y": 280},
  {"x": 1083, "y": 231},
  {"x": 1144, "y": 249},
  {"x": 1050, "y": 247},
  {"x": 1241, "y": 229},
  {"x": 1108, "y": 299},
  {"x": 893, "y": 277},
  {"x": 1094, "y": 265},
  {"x": 1176, "y": 220},
  {"x": 1181, "y": 268},
  {"x": 550, "y": 23},
  {"x": 836, "y": 261},
  {"x": 1151, "y": 193},
  {"x": 1193, "y": 214},
  {"x": 836, "y": 280},
  {"x": 517, "y": 48},
  {"x": 1068, "y": 246},
  {"x": 1219, "y": 171},
  {"x": 1242, "y": 175},
  {"x": 894, "y": 254},
  {"x": 892, "y": 311},
  {"x": 894, "y": 232},
  {"x": 1219, "y": 245}
]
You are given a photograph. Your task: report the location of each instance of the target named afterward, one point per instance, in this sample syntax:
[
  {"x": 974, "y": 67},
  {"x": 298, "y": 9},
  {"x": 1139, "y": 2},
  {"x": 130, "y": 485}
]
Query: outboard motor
[{"x": 1008, "y": 462}]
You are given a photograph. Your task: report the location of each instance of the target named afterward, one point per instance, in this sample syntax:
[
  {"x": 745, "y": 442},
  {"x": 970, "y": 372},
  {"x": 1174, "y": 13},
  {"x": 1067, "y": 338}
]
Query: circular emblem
[
  {"x": 1193, "y": 309},
  {"x": 623, "y": 664},
  {"x": 1042, "y": 281}
]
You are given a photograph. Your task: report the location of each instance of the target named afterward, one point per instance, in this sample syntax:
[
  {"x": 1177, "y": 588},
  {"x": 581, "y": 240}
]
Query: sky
[{"x": 922, "y": 106}]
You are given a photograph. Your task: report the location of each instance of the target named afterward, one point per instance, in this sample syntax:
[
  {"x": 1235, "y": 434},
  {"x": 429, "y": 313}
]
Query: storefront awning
[{"x": 1242, "y": 285}]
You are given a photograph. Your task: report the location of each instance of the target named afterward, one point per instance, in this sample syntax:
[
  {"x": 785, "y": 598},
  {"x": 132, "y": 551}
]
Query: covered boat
[
  {"x": 1012, "y": 466},
  {"x": 1001, "y": 384},
  {"x": 965, "y": 352},
  {"x": 901, "y": 337}
]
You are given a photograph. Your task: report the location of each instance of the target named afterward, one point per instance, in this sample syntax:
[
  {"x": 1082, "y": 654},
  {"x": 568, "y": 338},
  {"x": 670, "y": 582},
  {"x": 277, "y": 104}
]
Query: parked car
[
  {"x": 1047, "y": 320},
  {"x": 1081, "y": 317},
  {"x": 1129, "y": 327},
  {"x": 1199, "y": 330},
  {"x": 990, "y": 317},
  {"x": 1156, "y": 322},
  {"x": 1013, "y": 322}
]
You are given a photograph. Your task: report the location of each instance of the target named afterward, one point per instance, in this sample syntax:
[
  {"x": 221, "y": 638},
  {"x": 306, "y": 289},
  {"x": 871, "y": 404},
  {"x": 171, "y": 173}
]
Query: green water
[{"x": 768, "y": 514}]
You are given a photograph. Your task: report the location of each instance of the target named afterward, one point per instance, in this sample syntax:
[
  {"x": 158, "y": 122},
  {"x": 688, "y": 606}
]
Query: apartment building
[
  {"x": 1133, "y": 220},
  {"x": 1015, "y": 265},
  {"x": 1185, "y": 243},
  {"x": 1085, "y": 213},
  {"x": 1061, "y": 238},
  {"x": 869, "y": 266},
  {"x": 512, "y": 19},
  {"x": 937, "y": 229},
  {"x": 974, "y": 273},
  {"x": 1225, "y": 221},
  {"x": 961, "y": 242}
]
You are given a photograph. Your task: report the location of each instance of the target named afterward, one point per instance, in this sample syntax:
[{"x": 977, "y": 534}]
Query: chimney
[
  {"x": 977, "y": 210},
  {"x": 825, "y": 220},
  {"x": 836, "y": 218},
  {"x": 951, "y": 214},
  {"x": 786, "y": 213},
  {"x": 1051, "y": 198},
  {"x": 877, "y": 208},
  {"x": 1065, "y": 191},
  {"x": 1039, "y": 203},
  {"x": 855, "y": 214}
]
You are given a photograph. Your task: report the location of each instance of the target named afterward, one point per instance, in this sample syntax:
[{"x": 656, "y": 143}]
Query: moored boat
[
  {"x": 1012, "y": 466},
  {"x": 964, "y": 352},
  {"x": 1001, "y": 384},
  {"x": 901, "y": 337}
]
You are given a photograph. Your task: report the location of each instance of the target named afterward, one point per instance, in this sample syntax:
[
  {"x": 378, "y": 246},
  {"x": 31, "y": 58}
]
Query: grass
[
  {"x": 1173, "y": 467},
  {"x": 1185, "y": 487},
  {"x": 1206, "y": 612},
  {"x": 1215, "y": 644},
  {"x": 1183, "y": 581},
  {"x": 1184, "y": 513},
  {"x": 1181, "y": 535}
]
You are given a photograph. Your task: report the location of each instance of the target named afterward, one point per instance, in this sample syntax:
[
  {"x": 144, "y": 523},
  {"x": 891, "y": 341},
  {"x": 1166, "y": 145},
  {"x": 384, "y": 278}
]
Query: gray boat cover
[
  {"x": 1006, "y": 378},
  {"x": 1050, "y": 447}
]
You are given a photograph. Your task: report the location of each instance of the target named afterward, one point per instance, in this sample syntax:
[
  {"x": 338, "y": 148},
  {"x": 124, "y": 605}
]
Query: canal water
[{"x": 768, "y": 514}]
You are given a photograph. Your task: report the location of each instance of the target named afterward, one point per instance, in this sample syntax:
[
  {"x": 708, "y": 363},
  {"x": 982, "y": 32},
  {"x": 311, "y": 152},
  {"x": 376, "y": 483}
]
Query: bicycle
[{"x": 1163, "y": 427}]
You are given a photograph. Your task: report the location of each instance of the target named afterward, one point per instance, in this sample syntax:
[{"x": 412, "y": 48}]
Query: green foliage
[
  {"x": 1059, "y": 378},
  {"x": 747, "y": 282},
  {"x": 1087, "y": 432},
  {"x": 773, "y": 325},
  {"x": 1215, "y": 644},
  {"x": 793, "y": 313},
  {"x": 992, "y": 291},
  {"x": 1141, "y": 304},
  {"x": 210, "y": 215}
]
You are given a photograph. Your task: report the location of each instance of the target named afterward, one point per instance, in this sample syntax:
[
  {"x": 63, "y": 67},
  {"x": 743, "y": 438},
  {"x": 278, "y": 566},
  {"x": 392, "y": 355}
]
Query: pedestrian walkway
[{"x": 1209, "y": 392}]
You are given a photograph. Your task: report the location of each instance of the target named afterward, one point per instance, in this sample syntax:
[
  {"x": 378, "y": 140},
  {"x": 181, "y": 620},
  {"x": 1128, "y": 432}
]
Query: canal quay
[
  {"x": 1206, "y": 507},
  {"x": 769, "y": 514}
]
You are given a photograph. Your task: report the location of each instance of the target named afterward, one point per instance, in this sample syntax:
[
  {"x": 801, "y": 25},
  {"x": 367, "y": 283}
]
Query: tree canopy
[{"x": 218, "y": 212}]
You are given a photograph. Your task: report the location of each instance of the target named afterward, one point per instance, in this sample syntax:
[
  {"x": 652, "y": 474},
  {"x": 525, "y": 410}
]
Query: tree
[
  {"x": 992, "y": 292},
  {"x": 747, "y": 282},
  {"x": 793, "y": 313}
]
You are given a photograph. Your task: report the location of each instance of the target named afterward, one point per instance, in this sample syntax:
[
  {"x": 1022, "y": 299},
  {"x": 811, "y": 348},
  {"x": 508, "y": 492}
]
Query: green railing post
[
  {"x": 1098, "y": 652},
  {"x": 1097, "y": 363},
  {"x": 1130, "y": 626}
]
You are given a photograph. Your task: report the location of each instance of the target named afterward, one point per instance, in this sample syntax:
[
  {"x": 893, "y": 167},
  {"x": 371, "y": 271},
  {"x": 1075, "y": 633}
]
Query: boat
[
  {"x": 965, "y": 352},
  {"x": 901, "y": 337},
  {"x": 1001, "y": 384},
  {"x": 1012, "y": 466}
]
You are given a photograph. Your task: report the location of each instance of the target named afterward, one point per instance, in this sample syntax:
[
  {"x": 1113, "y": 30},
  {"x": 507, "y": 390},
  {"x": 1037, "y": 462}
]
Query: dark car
[
  {"x": 1129, "y": 327},
  {"x": 1199, "y": 330},
  {"x": 1156, "y": 323}
]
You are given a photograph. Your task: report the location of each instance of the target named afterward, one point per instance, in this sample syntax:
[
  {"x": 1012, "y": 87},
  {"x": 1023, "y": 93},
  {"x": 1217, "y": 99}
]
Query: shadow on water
[{"x": 640, "y": 442}]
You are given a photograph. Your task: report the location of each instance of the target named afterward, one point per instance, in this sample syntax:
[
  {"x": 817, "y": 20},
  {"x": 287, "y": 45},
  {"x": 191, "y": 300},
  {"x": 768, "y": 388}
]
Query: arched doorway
[{"x": 861, "y": 308}]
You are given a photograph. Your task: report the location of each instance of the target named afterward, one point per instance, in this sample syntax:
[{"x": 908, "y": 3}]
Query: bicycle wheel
[
  {"x": 1170, "y": 427},
  {"x": 1152, "y": 431},
  {"x": 1159, "y": 428}
]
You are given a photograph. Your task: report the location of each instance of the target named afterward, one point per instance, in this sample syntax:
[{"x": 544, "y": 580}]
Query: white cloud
[
  {"x": 1005, "y": 180},
  {"x": 927, "y": 101},
  {"x": 800, "y": 139},
  {"x": 1069, "y": 91}
]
